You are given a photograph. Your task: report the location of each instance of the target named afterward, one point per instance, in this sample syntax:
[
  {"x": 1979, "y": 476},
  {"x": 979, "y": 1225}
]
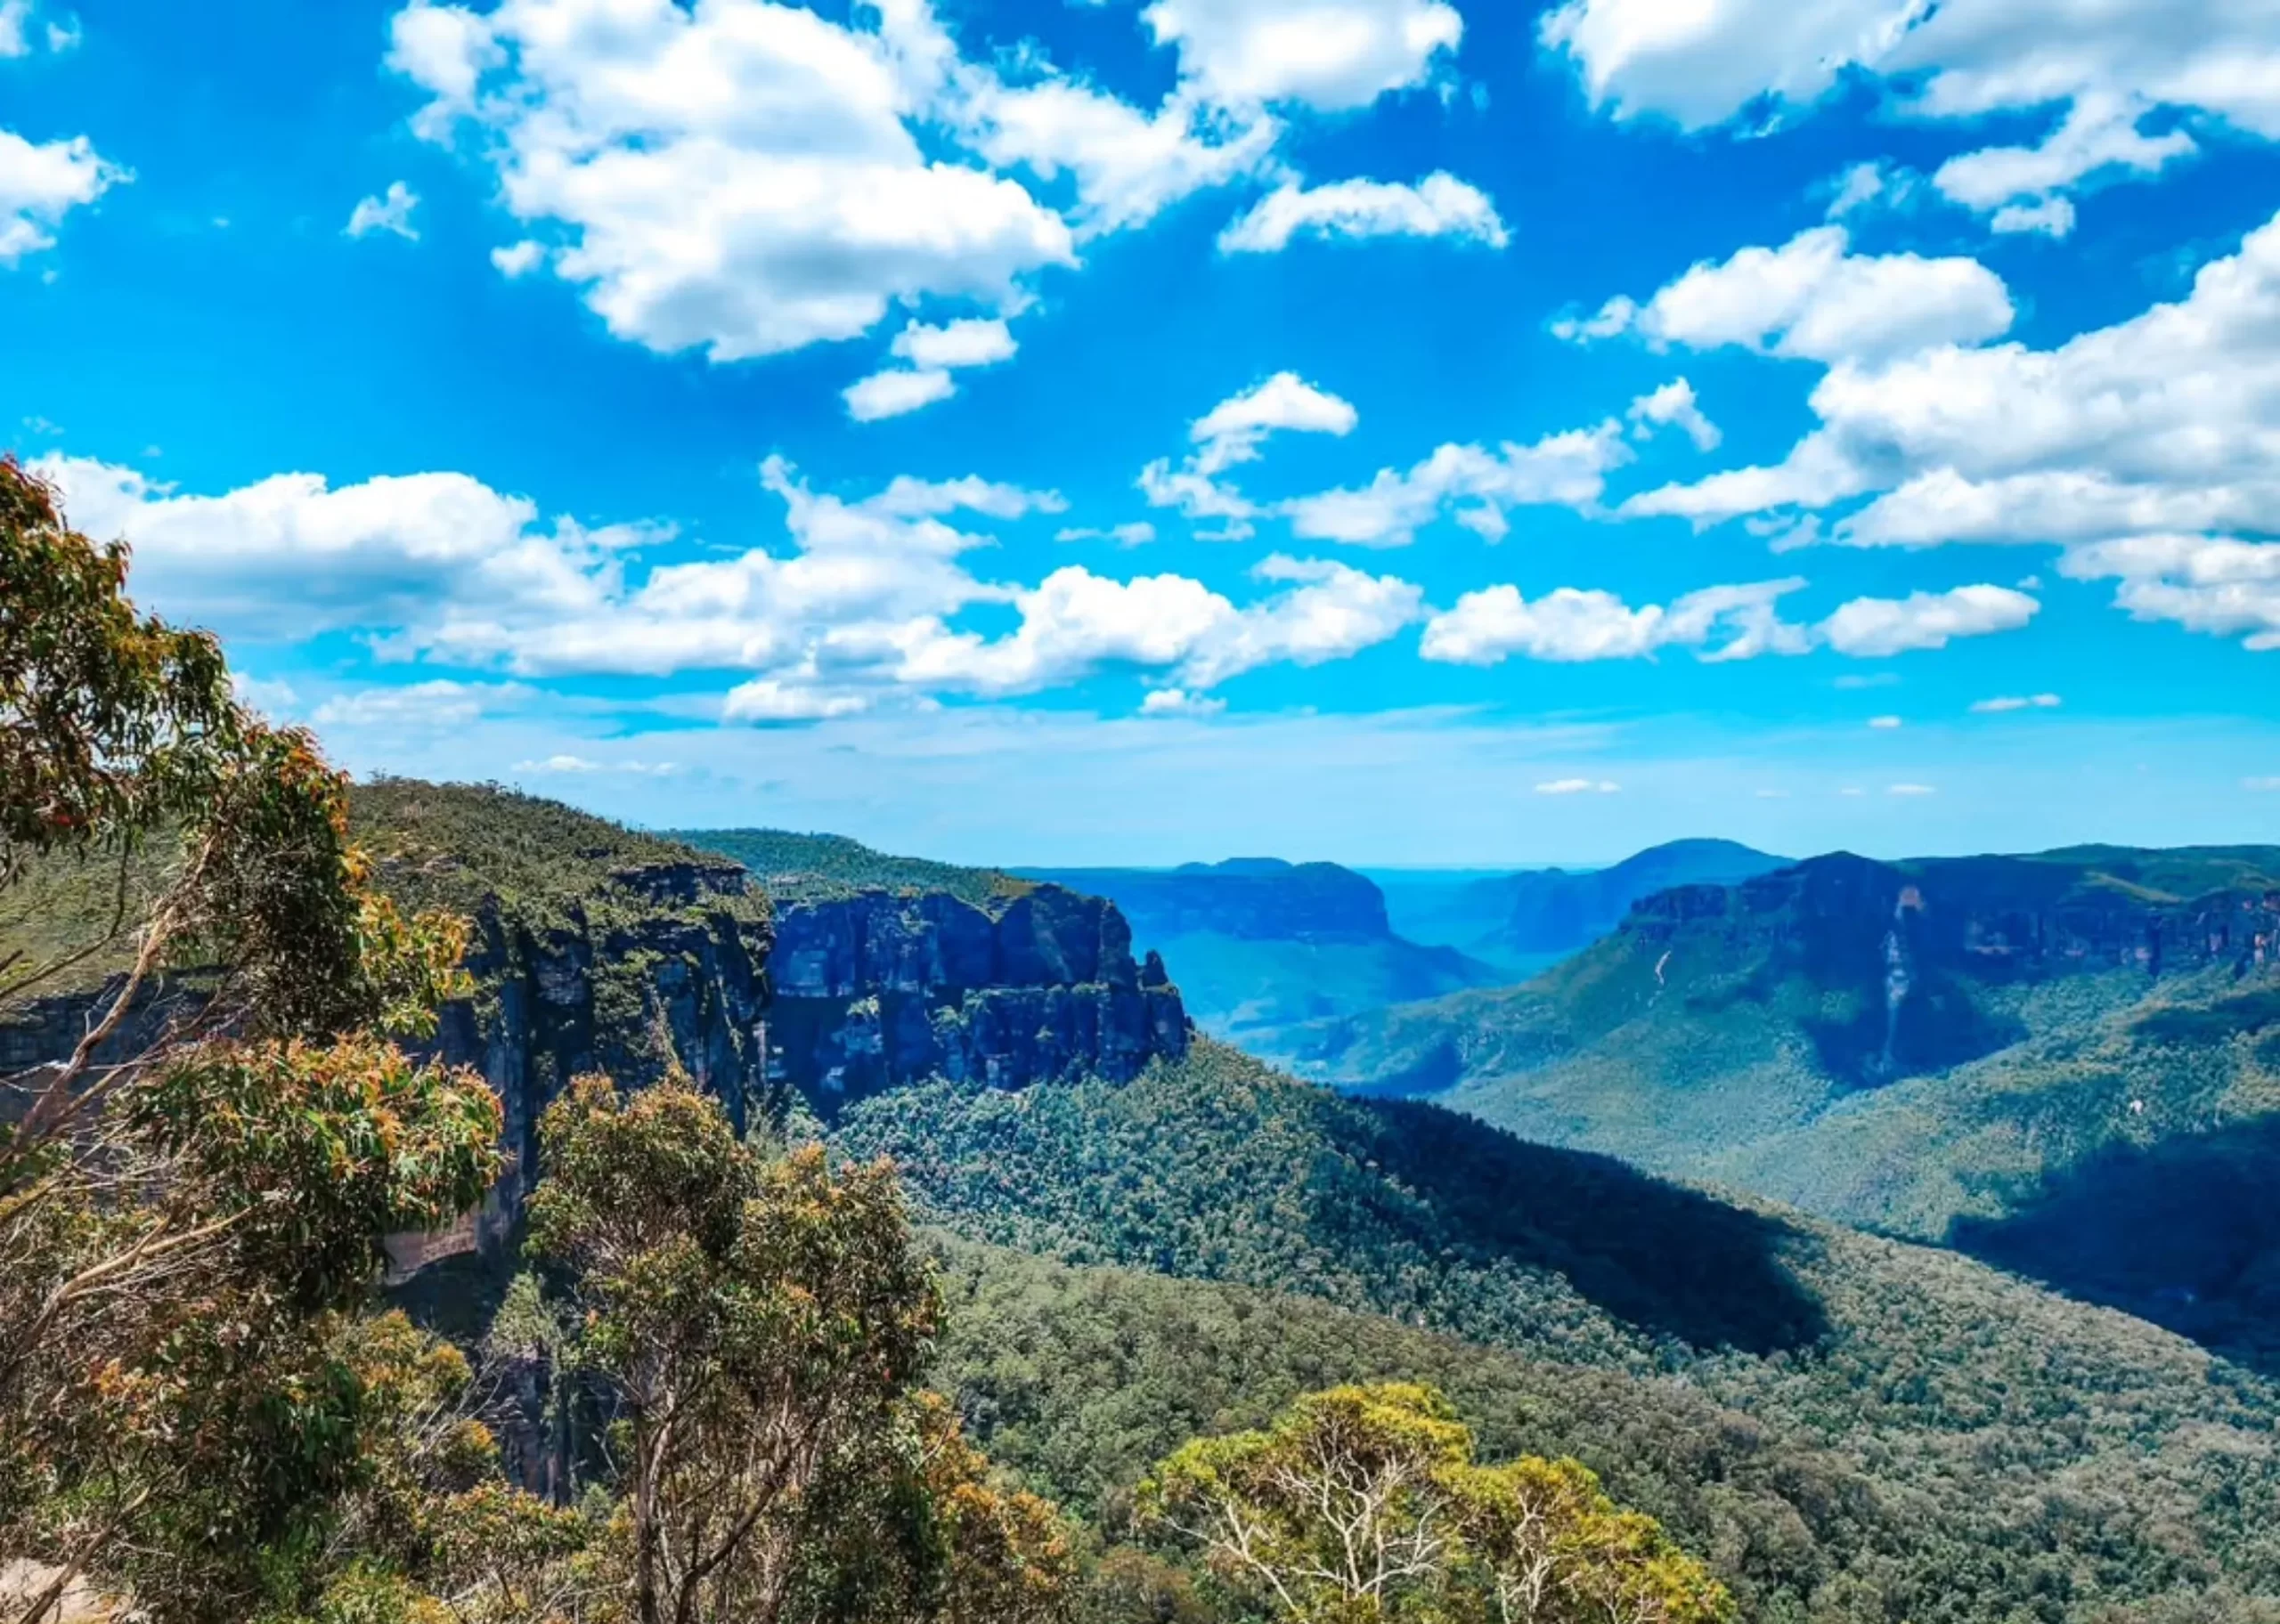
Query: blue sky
[{"x": 1387, "y": 430}]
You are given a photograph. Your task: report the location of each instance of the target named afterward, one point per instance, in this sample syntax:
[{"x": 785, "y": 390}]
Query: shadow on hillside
[
  {"x": 1668, "y": 1259},
  {"x": 2185, "y": 1233}
]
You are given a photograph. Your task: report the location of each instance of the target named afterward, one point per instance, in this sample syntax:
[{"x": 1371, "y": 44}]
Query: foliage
[
  {"x": 1363, "y": 1504},
  {"x": 1837, "y": 1422},
  {"x": 760, "y": 1323},
  {"x": 809, "y": 867},
  {"x": 192, "y": 1198}
]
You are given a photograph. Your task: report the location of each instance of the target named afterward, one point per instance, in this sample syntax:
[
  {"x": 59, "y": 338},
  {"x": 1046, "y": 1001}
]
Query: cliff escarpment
[{"x": 598, "y": 948}]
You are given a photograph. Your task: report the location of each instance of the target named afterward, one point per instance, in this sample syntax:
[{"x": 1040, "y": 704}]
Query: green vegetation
[
  {"x": 802, "y": 867},
  {"x": 2036, "y": 1073},
  {"x": 478, "y": 848},
  {"x": 193, "y": 1205},
  {"x": 1363, "y": 1505},
  {"x": 1968, "y": 1443}
]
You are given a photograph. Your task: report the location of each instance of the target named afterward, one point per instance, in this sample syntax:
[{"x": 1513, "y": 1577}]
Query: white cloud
[
  {"x": 2005, "y": 702},
  {"x": 2101, "y": 65},
  {"x": 1616, "y": 316},
  {"x": 568, "y": 764},
  {"x": 1232, "y": 433},
  {"x": 39, "y": 184},
  {"x": 932, "y": 352},
  {"x": 2214, "y": 584},
  {"x": 1139, "y": 534},
  {"x": 1330, "y": 55},
  {"x": 895, "y": 391},
  {"x": 863, "y": 608},
  {"x": 1074, "y": 623},
  {"x": 519, "y": 258},
  {"x": 13, "y": 15},
  {"x": 1911, "y": 789},
  {"x": 740, "y": 177},
  {"x": 429, "y": 705},
  {"x": 2261, "y": 784},
  {"x": 1438, "y": 206},
  {"x": 766, "y": 699},
  {"x": 1673, "y": 404},
  {"x": 1179, "y": 701},
  {"x": 1886, "y": 724},
  {"x": 1475, "y": 484},
  {"x": 1578, "y": 786},
  {"x": 2051, "y": 217},
  {"x": 1872, "y": 627},
  {"x": 390, "y": 213},
  {"x": 1126, "y": 166},
  {"x": 1814, "y": 297},
  {"x": 2159, "y": 423},
  {"x": 1570, "y": 624},
  {"x": 968, "y": 343},
  {"x": 290, "y": 556},
  {"x": 2100, "y": 133}
]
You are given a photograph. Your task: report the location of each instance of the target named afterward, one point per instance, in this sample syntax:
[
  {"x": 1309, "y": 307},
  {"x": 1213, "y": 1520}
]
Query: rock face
[
  {"x": 876, "y": 989},
  {"x": 840, "y": 998},
  {"x": 1910, "y": 944},
  {"x": 1995, "y": 919},
  {"x": 1252, "y": 899}
]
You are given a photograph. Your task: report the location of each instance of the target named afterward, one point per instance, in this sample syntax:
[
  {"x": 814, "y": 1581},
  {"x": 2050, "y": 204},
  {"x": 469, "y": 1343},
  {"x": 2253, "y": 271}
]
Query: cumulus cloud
[
  {"x": 518, "y": 258},
  {"x": 1479, "y": 487},
  {"x": 1871, "y": 626},
  {"x": 1330, "y": 55},
  {"x": 40, "y": 184},
  {"x": 1814, "y": 297},
  {"x": 740, "y": 177},
  {"x": 1438, "y": 206},
  {"x": 2146, "y": 447},
  {"x": 746, "y": 178},
  {"x": 2101, "y": 67},
  {"x": 1139, "y": 534},
  {"x": 1886, "y": 724},
  {"x": 1232, "y": 433},
  {"x": 1179, "y": 701},
  {"x": 1075, "y": 622},
  {"x": 2214, "y": 584},
  {"x": 863, "y": 608},
  {"x": 895, "y": 391},
  {"x": 2051, "y": 217},
  {"x": 389, "y": 211},
  {"x": 1570, "y": 624},
  {"x": 432, "y": 705},
  {"x": 2003, "y": 703},
  {"x": 932, "y": 353},
  {"x": 1716, "y": 624},
  {"x": 1673, "y": 404}
]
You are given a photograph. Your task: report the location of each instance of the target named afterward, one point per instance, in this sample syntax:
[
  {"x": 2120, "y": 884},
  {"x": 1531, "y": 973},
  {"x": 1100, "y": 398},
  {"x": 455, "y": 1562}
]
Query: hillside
[
  {"x": 1528, "y": 920},
  {"x": 1263, "y": 945},
  {"x": 1956, "y": 1050},
  {"x": 1079, "y": 1377},
  {"x": 1986, "y": 1442},
  {"x": 803, "y": 867}
]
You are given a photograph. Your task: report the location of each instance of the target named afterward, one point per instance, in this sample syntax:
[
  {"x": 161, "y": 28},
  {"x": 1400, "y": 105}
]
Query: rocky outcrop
[
  {"x": 877, "y": 989},
  {"x": 1994, "y": 919},
  {"x": 833, "y": 998}
]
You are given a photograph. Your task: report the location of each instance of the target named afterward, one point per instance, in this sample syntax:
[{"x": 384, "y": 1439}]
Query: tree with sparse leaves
[{"x": 1363, "y": 1505}]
